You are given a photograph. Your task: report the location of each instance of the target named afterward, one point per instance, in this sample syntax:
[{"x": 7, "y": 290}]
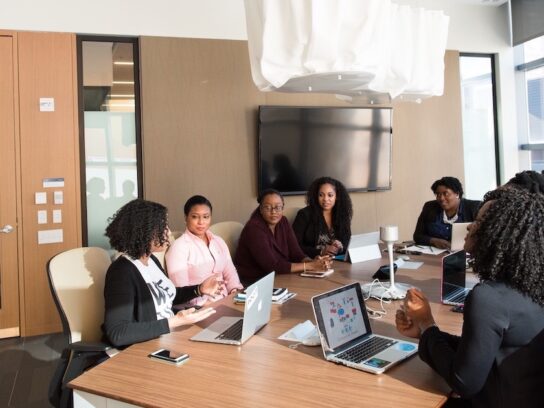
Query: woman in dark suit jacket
[
  {"x": 324, "y": 226},
  {"x": 138, "y": 294},
  {"x": 434, "y": 224}
]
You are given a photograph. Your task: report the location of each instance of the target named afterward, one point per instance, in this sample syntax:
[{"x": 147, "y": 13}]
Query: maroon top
[{"x": 260, "y": 252}]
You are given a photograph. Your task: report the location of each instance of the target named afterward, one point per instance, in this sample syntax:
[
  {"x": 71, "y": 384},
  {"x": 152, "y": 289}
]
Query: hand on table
[{"x": 440, "y": 243}]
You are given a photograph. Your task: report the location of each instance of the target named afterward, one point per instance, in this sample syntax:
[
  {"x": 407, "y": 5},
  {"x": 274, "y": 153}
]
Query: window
[
  {"x": 109, "y": 130},
  {"x": 479, "y": 124},
  {"x": 530, "y": 58}
]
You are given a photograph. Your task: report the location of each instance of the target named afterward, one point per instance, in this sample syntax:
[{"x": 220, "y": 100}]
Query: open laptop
[
  {"x": 363, "y": 246},
  {"x": 346, "y": 335},
  {"x": 458, "y": 233},
  {"x": 454, "y": 274},
  {"x": 237, "y": 330}
]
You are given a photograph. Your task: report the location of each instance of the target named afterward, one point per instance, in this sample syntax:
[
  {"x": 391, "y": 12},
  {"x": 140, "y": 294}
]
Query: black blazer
[
  {"x": 307, "y": 232},
  {"x": 430, "y": 211},
  {"x": 130, "y": 315}
]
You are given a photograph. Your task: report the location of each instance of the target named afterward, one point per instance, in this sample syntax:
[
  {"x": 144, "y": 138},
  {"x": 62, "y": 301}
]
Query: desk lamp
[{"x": 389, "y": 234}]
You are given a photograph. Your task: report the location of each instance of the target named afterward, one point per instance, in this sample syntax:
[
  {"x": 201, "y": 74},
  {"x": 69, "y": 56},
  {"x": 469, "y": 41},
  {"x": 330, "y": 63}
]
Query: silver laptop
[
  {"x": 357, "y": 241},
  {"x": 458, "y": 233},
  {"x": 237, "y": 330},
  {"x": 454, "y": 275},
  {"x": 346, "y": 335}
]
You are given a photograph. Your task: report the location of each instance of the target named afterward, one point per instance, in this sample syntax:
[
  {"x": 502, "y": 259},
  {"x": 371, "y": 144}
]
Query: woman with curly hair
[
  {"x": 138, "y": 295},
  {"x": 498, "y": 361},
  {"x": 324, "y": 226}
]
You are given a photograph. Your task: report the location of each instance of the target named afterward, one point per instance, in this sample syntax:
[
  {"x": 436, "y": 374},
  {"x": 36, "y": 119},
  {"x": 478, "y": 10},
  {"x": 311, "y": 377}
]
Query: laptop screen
[
  {"x": 341, "y": 315},
  {"x": 453, "y": 274}
]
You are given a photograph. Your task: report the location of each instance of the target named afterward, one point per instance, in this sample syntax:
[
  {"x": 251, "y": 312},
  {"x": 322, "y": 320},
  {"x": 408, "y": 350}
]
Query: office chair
[
  {"x": 290, "y": 213},
  {"x": 76, "y": 279},
  {"x": 230, "y": 232}
]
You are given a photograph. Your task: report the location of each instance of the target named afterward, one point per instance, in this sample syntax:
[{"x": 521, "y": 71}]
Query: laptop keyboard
[
  {"x": 458, "y": 297},
  {"x": 367, "y": 349},
  {"x": 234, "y": 332}
]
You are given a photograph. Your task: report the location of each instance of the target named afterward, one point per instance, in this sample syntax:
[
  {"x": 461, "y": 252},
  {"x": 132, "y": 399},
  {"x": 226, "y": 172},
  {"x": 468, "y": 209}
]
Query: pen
[{"x": 431, "y": 248}]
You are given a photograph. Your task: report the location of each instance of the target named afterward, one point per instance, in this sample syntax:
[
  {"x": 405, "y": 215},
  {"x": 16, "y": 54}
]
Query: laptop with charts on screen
[{"x": 346, "y": 334}]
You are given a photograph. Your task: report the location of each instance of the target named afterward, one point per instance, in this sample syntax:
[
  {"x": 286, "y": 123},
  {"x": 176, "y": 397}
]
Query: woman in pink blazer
[{"x": 198, "y": 253}]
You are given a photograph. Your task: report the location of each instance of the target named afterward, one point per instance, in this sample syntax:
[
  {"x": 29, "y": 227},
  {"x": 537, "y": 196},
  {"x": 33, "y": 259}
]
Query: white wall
[{"x": 473, "y": 28}]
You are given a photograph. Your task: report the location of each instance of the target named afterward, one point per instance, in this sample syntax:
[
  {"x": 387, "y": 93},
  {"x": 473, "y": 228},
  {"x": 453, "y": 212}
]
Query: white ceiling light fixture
[{"x": 363, "y": 50}]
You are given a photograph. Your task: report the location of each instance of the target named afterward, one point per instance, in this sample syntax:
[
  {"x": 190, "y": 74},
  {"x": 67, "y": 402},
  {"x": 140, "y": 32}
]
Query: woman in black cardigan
[
  {"x": 138, "y": 294},
  {"x": 324, "y": 226}
]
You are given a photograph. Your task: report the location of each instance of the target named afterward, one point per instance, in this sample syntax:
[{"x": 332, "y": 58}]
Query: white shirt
[{"x": 162, "y": 289}]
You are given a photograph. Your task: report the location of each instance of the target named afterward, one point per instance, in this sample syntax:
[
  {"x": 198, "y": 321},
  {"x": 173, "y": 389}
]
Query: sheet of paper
[
  {"x": 300, "y": 332},
  {"x": 426, "y": 249},
  {"x": 402, "y": 264}
]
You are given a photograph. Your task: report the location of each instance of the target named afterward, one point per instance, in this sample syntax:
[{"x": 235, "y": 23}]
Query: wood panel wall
[
  {"x": 49, "y": 148},
  {"x": 199, "y": 130}
]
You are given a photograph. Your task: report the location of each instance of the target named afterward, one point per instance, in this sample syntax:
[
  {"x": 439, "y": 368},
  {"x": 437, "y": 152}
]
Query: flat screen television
[{"x": 299, "y": 144}]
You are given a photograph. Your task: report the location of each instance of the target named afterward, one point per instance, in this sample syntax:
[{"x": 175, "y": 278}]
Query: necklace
[{"x": 449, "y": 220}]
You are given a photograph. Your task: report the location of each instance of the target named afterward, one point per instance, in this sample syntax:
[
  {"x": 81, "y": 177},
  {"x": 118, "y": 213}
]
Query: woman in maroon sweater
[{"x": 268, "y": 243}]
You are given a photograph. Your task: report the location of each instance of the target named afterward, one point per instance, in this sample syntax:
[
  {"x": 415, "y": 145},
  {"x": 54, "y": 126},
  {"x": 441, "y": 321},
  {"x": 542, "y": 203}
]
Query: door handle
[{"x": 6, "y": 229}]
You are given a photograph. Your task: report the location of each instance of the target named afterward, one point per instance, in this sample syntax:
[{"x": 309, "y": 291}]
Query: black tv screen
[{"x": 300, "y": 144}]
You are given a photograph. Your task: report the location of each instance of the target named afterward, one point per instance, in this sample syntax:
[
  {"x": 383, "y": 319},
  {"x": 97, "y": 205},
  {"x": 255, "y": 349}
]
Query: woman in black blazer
[
  {"x": 138, "y": 294},
  {"x": 324, "y": 226},
  {"x": 434, "y": 224}
]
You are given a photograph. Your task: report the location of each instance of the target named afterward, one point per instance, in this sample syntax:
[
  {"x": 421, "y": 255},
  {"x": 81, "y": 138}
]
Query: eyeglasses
[{"x": 269, "y": 209}]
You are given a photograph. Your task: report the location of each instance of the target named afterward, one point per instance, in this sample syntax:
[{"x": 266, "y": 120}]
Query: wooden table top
[{"x": 265, "y": 371}]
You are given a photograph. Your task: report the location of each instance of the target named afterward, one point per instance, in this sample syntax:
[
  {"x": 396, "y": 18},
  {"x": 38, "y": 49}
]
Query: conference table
[{"x": 265, "y": 371}]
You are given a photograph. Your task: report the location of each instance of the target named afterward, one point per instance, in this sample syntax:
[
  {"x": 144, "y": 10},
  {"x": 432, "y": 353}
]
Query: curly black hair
[
  {"x": 509, "y": 243},
  {"x": 449, "y": 182},
  {"x": 136, "y": 226},
  {"x": 342, "y": 212},
  {"x": 529, "y": 180},
  {"x": 196, "y": 200}
]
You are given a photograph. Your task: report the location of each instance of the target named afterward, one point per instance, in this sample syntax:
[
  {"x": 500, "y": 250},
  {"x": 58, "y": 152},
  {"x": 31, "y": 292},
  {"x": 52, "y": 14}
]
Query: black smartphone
[
  {"x": 458, "y": 308},
  {"x": 169, "y": 356}
]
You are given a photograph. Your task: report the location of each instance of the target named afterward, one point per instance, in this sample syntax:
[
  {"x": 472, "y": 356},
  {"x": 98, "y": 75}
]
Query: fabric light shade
[{"x": 360, "y": 49}]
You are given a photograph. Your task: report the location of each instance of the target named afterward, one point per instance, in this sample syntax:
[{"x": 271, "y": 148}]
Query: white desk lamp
[{"x": 389, "y": 234}]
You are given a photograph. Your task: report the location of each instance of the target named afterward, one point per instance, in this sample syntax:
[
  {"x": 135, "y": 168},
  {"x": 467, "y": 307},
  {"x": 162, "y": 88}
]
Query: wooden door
[{"x": 9, "y": 287}]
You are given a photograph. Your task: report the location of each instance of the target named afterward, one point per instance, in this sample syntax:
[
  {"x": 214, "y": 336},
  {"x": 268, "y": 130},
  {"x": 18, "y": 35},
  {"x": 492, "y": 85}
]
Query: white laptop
[
  {"x": 237, "y": 330},
  {"x": 346, "y": 335},
  {"x": 458, "y": 233},
  {"x": 454, "y": 274},
  {"x": 362, "y": 247}
]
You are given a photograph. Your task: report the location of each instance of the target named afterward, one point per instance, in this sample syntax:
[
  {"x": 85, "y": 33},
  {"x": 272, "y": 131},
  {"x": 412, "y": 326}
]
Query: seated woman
[
  {"x": 324, "y": 226},
  {"x": 434, "y": 223},
  {"x": 268, "y": 243},
  {"x": 498, "y": 360},
  {"x": 198, "y": 254},
  {"x": 138, "y": 295}
]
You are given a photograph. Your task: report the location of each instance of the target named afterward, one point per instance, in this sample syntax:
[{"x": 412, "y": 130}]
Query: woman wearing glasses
[
  {"x": 434, "y": 224},
  {"x": 324, "y": 226},
  {"x": 268, "y": 243}
]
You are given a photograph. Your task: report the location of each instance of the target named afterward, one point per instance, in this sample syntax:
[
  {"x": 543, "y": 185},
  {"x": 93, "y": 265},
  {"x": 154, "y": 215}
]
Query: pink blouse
[{"x": 189, "y": 261}]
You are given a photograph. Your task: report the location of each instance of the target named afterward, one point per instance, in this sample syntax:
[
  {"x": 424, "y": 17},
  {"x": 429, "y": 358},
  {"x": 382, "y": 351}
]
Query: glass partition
[
  {"x": 109, "y": 121},
  {"x": 479, "y": 124}
]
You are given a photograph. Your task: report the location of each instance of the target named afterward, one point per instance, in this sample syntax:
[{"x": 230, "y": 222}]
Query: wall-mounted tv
[{"x": 300, "y": 144}]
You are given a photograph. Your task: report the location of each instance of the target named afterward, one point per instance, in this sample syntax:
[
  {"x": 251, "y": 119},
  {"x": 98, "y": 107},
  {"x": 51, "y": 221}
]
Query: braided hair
[
  {"x": 529, "y": 180},
  {"x": 342, "y": 212},
  {"x": 136, "y": 226},
  {"x": 509, "y": 243}
]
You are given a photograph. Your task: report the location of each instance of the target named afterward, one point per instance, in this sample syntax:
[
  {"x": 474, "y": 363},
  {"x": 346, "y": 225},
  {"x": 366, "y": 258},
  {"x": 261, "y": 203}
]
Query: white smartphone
[
  {"x": 317, "y": 274},
  {"x": 169, "y": 356}
]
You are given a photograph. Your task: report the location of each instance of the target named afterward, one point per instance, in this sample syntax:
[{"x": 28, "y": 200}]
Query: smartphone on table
[{"x": 169, "y": 356}]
